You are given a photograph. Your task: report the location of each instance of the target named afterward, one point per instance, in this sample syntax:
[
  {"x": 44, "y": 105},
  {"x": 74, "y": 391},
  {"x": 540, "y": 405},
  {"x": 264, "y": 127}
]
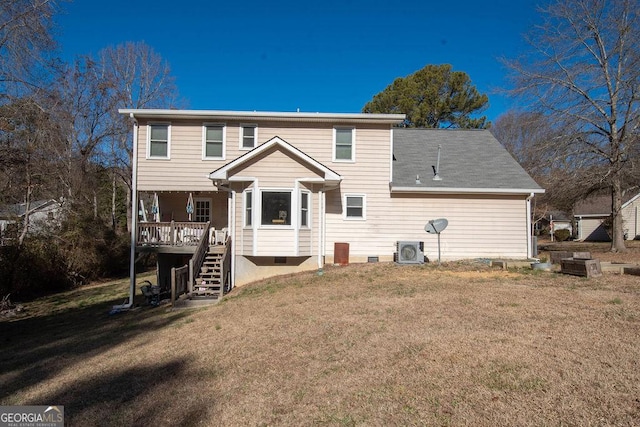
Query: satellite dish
[{"x": 435, "y": 226}]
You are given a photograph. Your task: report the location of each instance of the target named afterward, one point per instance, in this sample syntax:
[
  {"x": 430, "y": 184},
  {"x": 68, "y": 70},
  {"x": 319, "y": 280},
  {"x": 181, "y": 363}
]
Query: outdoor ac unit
[{"x": 410, "y": 252}]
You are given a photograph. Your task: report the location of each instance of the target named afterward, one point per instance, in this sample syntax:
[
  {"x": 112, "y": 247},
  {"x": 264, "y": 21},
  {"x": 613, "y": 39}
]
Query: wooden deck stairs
[{"x": 209, "y": 283}]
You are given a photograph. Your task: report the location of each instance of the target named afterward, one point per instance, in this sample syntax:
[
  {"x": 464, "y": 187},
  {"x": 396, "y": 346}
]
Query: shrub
[
  {"x": 92, "y": 249},
  {"x": 34, "y": 269},
  {"x": 561, "y": 235}
]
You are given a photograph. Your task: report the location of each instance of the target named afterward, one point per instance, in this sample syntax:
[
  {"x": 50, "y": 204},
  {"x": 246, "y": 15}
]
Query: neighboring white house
[
  {"x": 42, "y": 213},
  {"x": 286, "y": 191},
  {"x": 591, "y": 216},
  {"x": 631, "y": 218}
]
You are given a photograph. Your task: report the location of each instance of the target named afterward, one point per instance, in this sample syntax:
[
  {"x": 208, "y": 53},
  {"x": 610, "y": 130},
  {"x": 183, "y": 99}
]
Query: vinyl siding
[
  {"x": 276, "y": 169},
  {"x": 592, "y": 230},
  {"x": 187, "y": 171},
  {"x": 276, "y": 242},
  {"x": 305, "y": 242},
  {"x": 478, "y": 227},
  {"x": 631, "y": 218}
]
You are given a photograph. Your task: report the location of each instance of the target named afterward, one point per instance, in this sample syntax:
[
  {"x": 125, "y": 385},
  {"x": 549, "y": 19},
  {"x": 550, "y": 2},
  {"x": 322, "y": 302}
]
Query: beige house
[{"x": 275, "y": 193}]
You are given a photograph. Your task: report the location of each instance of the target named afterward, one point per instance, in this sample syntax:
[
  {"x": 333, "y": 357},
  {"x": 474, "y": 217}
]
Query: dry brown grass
[{"x": 371, "y": 344}]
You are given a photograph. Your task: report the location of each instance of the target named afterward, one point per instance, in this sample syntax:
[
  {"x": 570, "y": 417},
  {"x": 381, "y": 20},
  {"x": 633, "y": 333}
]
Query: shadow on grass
[
  {"x": 132, "y": 397},
  {"x": 35, "y": 349}
]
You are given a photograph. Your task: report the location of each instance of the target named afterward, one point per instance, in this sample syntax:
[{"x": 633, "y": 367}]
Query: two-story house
[{"x": 280, "y": 192}]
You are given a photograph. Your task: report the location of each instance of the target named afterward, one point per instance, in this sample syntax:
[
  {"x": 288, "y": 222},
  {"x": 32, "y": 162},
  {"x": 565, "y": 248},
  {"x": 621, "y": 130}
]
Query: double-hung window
[
  {"x": 304, "y": 209},
  {"x": 214, "y": 141},
  {"x": 158, "y": 140},
  {"x": 248, "y": 136},
  {"x": 355, "y": 206},
  {"x": 344, "y": 144},
  {"x": 248, "y": 208}
]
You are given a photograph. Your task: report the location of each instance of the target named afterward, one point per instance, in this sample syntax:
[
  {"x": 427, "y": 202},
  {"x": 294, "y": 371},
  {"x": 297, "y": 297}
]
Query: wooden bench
[{"x": 557, "y": 256}]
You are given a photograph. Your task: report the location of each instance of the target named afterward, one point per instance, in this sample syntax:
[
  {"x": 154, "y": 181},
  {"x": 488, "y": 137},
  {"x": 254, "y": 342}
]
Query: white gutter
[
  {"x": 134, "y": 219},
  {"x": 264, "y": 115},
  {"x": 466, "y": 190}
]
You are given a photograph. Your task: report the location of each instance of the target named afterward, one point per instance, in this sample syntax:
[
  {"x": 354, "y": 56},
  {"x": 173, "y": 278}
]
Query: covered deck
[
  {"x": 189, "y": 253},
  {"x": 176, "y": 237}
]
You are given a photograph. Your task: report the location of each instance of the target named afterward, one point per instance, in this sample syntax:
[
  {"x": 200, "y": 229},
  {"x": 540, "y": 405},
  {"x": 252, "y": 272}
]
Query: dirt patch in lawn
[{"x": 368, "y": 344}]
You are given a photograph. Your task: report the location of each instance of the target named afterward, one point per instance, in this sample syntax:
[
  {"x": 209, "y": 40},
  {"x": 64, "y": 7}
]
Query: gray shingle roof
[{"x": 469, "y": 159}]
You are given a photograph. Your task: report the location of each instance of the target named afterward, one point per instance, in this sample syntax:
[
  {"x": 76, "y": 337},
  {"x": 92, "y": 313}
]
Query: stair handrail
[
  {"x": 195, "y": 263},
  {"x": 225, "y": 265}
]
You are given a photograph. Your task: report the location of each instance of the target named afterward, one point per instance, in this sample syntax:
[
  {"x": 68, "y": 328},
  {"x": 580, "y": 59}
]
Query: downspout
[
  {"x": 230, "y": 209},
  {"x": 134, "y": 218},
  {"x": 232, "y": 227},
  {"x": 322, "y": 227},
  {"x": 529, "y": 230}
]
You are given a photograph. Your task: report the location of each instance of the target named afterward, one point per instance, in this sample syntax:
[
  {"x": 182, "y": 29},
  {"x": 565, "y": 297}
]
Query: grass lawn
[{"x": 370, "y": 344}]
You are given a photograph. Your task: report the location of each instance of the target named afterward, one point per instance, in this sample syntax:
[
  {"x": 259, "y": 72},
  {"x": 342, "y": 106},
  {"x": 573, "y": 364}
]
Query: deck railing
[{"x": 171, "y": 233}]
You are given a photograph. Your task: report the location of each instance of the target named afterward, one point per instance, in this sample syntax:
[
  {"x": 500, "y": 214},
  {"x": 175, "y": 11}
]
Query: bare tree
[
  {"x": 27, "y": 133},
  {"x": 25, "y": 41},
  {"x": 140, "y": 79},
  {"x": 584, "y": 72},
  {"x": 87, "y": 101}
]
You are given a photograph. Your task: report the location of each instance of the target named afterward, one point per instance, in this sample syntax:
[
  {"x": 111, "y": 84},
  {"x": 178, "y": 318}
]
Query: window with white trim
[
  {"x": 344, "y": 144},
  {"x": 304, "y": 209},
  {"x": 276, "y": 208},
  {"x": 248, "y": 208},
  {"x": 202, "y": 210},
  {"x": 213, "y": 135},
  {"x": 248, "y": 136},
  {"x": 355, "y": 206},
  {"x": 158, "y": 140}
]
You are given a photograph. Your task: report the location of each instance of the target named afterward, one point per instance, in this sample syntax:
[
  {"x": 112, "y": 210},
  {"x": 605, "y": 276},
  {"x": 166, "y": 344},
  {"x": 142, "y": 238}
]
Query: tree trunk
[
  {"x": 113, "y": 202},
  {"x": 27, "y": 213},
  {"x": 617, "y": 240},
  {"x": 95, "y": 205}
]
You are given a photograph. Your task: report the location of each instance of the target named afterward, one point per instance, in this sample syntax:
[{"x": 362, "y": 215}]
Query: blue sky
[{"x": 319, "y": 56}]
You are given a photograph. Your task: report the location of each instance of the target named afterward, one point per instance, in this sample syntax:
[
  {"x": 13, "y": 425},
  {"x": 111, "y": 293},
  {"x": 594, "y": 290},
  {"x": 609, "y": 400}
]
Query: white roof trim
[
  {"x": 262, "y": 115},
  {"x": 222, "y": 174},
  {"x": 466, "y": 190},
  {"x": 633, "y": 199}
]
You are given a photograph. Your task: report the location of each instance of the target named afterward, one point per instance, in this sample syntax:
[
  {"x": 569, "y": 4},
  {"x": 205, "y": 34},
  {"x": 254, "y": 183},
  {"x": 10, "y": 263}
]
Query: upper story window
[
  {"x": 158, "y": 140},
  {"x": 248, "y": 136},
  {"x": 214, "y": 136},
  {"x": 355, "y": 206},
  {"x": 344, "y": 144}
]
